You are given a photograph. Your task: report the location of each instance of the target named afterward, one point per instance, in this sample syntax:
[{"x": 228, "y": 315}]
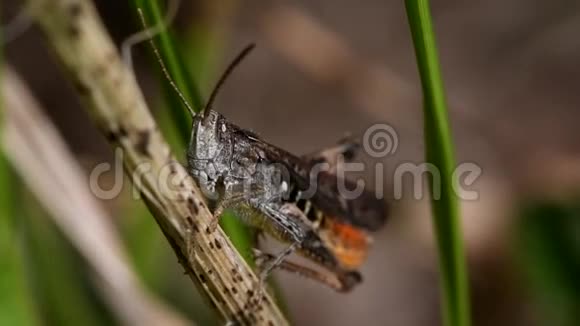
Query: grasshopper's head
[
  {"x": 210, "y": 139},
  {"x": 210, "y": 149}
]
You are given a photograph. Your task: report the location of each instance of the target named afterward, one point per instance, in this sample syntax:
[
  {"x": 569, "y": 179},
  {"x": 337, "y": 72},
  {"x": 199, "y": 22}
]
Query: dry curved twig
[{"x": 78, "y": 37}]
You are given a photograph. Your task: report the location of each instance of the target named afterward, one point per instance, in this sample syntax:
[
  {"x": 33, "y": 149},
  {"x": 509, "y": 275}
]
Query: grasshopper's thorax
[{"x": 222, "y": 158}]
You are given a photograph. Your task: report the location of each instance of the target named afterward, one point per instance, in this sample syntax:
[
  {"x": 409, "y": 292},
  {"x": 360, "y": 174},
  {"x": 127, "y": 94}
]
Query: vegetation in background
[
  {"x": 16, "y": 305},
  {"x": 548, "y": 249}
]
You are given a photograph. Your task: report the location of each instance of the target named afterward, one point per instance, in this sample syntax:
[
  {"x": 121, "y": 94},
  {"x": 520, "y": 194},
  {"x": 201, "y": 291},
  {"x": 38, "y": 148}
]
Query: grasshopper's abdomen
[{"x": 348, "y": 244}]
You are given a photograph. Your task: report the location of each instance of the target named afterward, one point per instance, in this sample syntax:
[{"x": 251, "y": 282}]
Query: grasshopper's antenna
[
  {"x": 226, "y": 74},
  {"x": 148, "y": 33},
  {"x": 166, "y": 72}
]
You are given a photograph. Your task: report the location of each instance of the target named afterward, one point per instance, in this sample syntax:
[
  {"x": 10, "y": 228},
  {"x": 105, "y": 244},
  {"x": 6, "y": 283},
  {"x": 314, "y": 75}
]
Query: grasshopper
[
  {"x": 286, "y": 196},
  {"x": 267, "y": 187}
]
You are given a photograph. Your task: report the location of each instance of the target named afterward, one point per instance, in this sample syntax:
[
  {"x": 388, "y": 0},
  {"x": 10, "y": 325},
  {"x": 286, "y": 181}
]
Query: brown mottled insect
[
  {"x": 285, "y": 195},
  {"x": 289, "y": 197}
]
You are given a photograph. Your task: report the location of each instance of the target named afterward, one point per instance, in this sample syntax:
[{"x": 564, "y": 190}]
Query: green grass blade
[
  {"x": 177, "y": 67},
  {"x": 439, "y": 152},
  {"x": 16, "y": 304}
]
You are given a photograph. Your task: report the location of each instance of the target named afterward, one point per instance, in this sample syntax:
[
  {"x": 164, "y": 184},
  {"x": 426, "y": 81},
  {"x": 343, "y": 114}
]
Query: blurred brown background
[{"x": 512, "y": 75}]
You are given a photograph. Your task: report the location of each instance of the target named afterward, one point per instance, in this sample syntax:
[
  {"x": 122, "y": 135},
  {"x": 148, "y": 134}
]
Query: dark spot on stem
[
  {"x": 142, "y": 144},
  {"x": 192, "y": 206},
  {"x": 218, "y": 244},
  {"x": 114, "y": 135},
  {"x": 80, "y": 86},
  {"x": 75, "y": 10},
  {"x": 194, "y": 226},
  {"x": 73, "y": 31},
  {"x": 122, "y": 131}
]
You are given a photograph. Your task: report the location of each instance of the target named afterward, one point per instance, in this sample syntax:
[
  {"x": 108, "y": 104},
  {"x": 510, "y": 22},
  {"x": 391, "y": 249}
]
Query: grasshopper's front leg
[
  {"x": 232, "y": 195},
  {"x": 231, "y": 200}
]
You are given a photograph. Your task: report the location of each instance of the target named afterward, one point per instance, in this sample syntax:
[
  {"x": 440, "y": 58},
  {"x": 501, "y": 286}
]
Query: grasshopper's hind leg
[
  {"x": 342, "y": 281},
  {"x": 268, "y": 266}
]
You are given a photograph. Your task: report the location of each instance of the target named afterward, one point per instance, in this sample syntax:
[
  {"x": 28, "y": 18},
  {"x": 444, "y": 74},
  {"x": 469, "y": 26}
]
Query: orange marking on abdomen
[{"x": 350, "y": 244}]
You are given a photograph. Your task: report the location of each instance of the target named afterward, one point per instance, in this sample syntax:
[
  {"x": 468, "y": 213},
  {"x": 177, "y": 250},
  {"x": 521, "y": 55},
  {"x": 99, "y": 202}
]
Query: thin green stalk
[
  {"x": 439, "y": 152},
  {"x": 178, "y": 69}
]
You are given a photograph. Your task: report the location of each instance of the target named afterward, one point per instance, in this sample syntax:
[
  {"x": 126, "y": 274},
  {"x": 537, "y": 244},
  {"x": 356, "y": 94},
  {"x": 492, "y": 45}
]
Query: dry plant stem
[
  {"x": 79, "y": 39},
  {"x": 41, "y": 158}
]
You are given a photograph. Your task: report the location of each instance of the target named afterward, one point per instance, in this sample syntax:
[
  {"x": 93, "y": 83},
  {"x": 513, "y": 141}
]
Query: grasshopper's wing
[
  {"x": 345, "y": 151},
  {"x": 365, "y": 211}
]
